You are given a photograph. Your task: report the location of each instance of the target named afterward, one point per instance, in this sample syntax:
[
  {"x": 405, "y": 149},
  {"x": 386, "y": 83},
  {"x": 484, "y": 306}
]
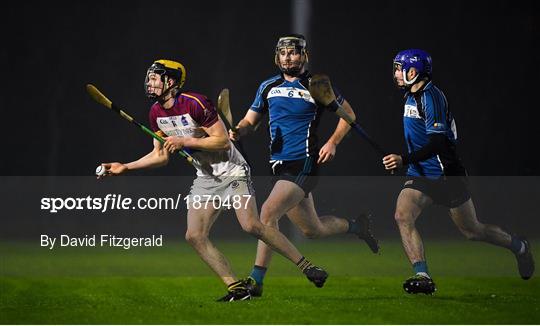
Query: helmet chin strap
[
  {"x": 408, "y": 82},
  {"x": 161, "y": 98}
]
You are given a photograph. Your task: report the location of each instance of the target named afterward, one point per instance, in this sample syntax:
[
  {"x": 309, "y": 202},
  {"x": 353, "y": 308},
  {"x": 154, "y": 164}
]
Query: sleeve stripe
[
  {"x": 264, "y": 94},
  {"x": 438, "y": 107},
  {"x": 194, "y": 98}
]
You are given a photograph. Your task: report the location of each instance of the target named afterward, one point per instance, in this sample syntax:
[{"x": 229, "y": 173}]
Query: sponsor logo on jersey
[
  {"x": 184, "y": 121},
  {"x": 411, "y": 111},
  {"x": 180, "y": 125},
  {"x": 291, "y": 92}
]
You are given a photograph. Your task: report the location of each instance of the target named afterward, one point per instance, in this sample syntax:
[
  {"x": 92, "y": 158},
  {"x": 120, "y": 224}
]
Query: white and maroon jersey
[{"x": 190, "y": 112}]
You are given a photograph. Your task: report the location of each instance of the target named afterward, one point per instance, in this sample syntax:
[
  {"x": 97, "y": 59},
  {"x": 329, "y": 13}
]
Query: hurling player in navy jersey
[
  {"x": 435, "y": 174},
  {"x": 295, "y": 155},
  {"x": 189, "y": 121}
]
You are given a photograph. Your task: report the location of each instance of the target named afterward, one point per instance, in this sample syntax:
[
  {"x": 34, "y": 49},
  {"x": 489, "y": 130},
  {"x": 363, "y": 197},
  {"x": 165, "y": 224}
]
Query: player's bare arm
[
  {"x": 328, "y": 151},
  {"x": 245, "y": 125},
  {"x": 217, "y": 140},
  {"x": 156, "y": 158}
]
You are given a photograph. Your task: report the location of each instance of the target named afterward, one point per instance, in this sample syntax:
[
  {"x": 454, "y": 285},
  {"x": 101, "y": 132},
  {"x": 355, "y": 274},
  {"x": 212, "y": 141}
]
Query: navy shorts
[
  {"x": 448, "y": 191},
  {"x": 303, "y": 172}
]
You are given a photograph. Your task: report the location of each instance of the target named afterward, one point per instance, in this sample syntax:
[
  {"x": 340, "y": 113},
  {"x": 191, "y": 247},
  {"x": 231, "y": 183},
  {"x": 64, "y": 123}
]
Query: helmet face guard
[
  {"x": 165, "y": 69},
  {"x": 418, "y": 59},
  {"x": 296, "y": 42}
]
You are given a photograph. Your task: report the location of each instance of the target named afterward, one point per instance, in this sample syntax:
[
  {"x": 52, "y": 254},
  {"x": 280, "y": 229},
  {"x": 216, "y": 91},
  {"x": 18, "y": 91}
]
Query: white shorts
[{"x": 223, "y": 189}]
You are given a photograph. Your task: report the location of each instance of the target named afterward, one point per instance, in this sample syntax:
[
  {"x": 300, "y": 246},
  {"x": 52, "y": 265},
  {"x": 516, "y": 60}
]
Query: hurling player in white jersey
[{"x": 188, "y": 121}]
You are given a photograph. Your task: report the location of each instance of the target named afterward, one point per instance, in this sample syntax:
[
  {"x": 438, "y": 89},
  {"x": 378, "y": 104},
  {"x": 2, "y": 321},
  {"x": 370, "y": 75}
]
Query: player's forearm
[
  {"x": 341, "y": 130},
  {"x": 436, "y": 145},
  {"x": 244, "y": 126},
  {"x": 343, "y": 127},
  {"x": 211, "y": 143},
  {"x": 153, "y": 159}
]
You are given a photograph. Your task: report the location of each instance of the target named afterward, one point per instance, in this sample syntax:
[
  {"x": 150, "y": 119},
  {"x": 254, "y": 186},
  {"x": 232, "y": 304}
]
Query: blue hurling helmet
[{"x": 414, "y": 58}]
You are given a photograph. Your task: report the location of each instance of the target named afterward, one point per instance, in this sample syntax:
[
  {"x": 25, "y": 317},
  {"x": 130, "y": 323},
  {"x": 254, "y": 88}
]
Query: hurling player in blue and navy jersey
[
  {"x": 294, "y": 156},
  {"x": 435, "y": 173}
]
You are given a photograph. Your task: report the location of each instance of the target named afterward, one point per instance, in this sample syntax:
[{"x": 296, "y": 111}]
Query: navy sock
[
  {"x": 258, "y": 273},
  {"x": 353, "y": 227},
  {"x": 516, "y": 245},
  {"x": 420, "y": 267}
]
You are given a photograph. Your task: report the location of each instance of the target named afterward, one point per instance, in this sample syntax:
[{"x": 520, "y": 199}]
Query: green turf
[{"x": 477, "y": 283}]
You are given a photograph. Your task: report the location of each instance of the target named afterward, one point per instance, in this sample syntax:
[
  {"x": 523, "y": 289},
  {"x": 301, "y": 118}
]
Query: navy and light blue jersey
[
  {"x": 426, "y": 112},
  {"x": 293, "y": 116}
]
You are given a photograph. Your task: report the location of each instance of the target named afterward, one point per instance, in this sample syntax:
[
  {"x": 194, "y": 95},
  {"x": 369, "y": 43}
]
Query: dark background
[{"x": 485, "y": 59}]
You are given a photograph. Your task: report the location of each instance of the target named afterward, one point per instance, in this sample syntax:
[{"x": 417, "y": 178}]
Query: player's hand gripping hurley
[{"x": 103, "y": 100}]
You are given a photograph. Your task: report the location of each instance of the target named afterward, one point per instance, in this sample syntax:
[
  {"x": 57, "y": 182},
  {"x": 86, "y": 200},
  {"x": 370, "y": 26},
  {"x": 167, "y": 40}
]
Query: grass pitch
[{"x": 477, "y": 284}]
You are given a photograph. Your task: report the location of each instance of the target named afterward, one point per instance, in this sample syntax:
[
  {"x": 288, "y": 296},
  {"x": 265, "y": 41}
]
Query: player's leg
[
  {"x": 270, "y": 237},
  {"x": 199, "y": 223},
  {"x": 304, "y": 215},
  {"x": 313, "y": 226},
  {"x": 286, "y": 193},
  {"x": 282, "y": 198},
  {"x": 295, "y": 180},
  {"x": 248, "y": 217},
  {"x": 410, "y": 204},
  {"x": 464, "y": 216}
]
